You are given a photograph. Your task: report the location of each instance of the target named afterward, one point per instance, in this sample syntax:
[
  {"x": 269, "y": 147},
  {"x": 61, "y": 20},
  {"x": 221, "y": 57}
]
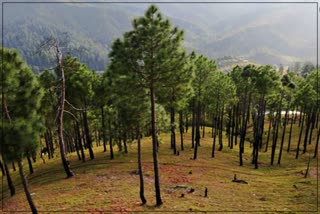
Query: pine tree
[
  {"x": 21, "y": 98},
  {"x": 147, "y": 52}
]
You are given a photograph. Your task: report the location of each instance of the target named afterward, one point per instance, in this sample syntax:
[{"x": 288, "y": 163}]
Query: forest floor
[{"x": 109, "y": 186}]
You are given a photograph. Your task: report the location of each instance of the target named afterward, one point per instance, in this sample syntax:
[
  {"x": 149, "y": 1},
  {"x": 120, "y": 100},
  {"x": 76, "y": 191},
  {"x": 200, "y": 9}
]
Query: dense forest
[{"x": 153, "y": 87}]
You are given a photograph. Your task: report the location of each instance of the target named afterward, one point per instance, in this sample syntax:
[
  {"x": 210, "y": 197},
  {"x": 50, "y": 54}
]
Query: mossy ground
[{"x": 105, "y": 186}]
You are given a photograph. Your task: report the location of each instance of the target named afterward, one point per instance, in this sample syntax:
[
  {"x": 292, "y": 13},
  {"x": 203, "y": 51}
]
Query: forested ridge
[
  {"x": 260, "y": 33},
  {"x": 156, "y": 100}
]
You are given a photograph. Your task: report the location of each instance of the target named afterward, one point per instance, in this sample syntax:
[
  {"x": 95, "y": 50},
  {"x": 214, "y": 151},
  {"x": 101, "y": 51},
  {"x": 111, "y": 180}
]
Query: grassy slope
[{"x": 104, "y": 185}]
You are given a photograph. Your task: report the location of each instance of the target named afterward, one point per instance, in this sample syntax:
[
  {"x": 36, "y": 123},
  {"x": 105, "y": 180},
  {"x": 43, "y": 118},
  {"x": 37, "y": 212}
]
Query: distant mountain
[{"x": 262, "y": 33}]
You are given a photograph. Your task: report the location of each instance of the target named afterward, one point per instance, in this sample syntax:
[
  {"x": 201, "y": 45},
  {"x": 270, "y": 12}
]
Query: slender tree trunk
[
  {"x": 263, "y": 113},
  {"x": 221, "y": 128},
  {"x": 237, "y": 120},
  {"x": 9, "y": 179},
  {"x": 317, "y": 144},
  {"x": 308, "y": 124},
  {"x": 187, "y": 123},
  {"x": 155, "y": 147},
  {"x": 13, "y": 166},
  {"x": 197, "y": 143},
  {"x": 246, "y": 116},
  {"x": 65, "y": 162},
  {"x": 83, "y": 157},
  {"x": 125, "y": 143},
  {"x": 103, "y": 130},
  {"x": 283, "y": 134},
  {"x": 300, "y": 118},
  {"x": 110, "y": 140},
  {"x": 214, "y": 124},
  {"x": 30, "y": 164},
  {"x": 26, "y": 189},
  {"x": 203, "y": 123},
  {"x": 290, "y": 132},
  {"x": 193, "y": 122},
  {"x": 313, "y": 125},
  {"x": 76, "y": 142},
  {"x": 48, "y": 142},
  {"x": 143, "y": 199},
  {"x": 276, "y": 130},
  {"x": 300, "y": 135},
  {"x": 173, "y": 129},
  {"x": 232, "y": 123},
  {"x": 181, "y": 129},
  {"x": 87, "y": 133},
  {"x": 2, "y": 169}
]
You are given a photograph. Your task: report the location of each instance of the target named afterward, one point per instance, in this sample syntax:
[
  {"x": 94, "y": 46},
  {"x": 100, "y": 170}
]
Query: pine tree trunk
[
  {"x": 300, "y": 135},
  {"x": 313, "y": 125},
  {"x": 283, "y": 134},
  {"x": 173, "y": 130},
  {"x": 245, "y": 119},
  {"x": 76, "y": 140},
  {"x": 2, "y": 169},
  {"x": 13, "y": 166},
  {"x": 203, "y": 123},
  {"x": 308, "y": 124},
  {"x": 237, "y": 122},
  {"x": 317, "y": 144},
  {"x": 214, "y": 125},
  {"x": 143, "y": 199},
  {"x": 187, "y": 123},
  {"x": 181, "y": 129},
  {"x": 276, "y": 131},
  {"x": 9, "y": 179},
  {"x": 197, "y": 143},
  {"x": 26, "y": 189},
  {"x": 48, "y": 142},
  {"x": 290, "y": 132},
  {"x": 193, "y": 122},
  {"x": 125, "y": 143},
  {"x": 83, "y": 157},
  {"x": 111, "y": 147},
  {"x": 103, "y": 130},
  {"x": 221, "y": 128},
  {"x": 65, "y": 162},
  {"x": 155, "y": 147},
  {"x": 87, "y": 134},
  {"x": 30, "y": 164}
]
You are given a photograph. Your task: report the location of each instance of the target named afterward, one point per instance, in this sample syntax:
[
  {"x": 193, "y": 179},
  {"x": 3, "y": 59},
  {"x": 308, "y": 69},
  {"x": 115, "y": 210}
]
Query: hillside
[
  {"x": 262, "y": 33},
  {"x": 108, "y": 186}
]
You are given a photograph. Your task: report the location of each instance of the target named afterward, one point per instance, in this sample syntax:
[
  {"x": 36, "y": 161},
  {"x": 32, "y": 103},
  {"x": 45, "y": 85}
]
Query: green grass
[{"x": 104, "y": 185}]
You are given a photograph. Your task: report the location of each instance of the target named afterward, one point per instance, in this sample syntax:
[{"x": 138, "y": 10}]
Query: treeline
[{"x": 152, "y": 85}]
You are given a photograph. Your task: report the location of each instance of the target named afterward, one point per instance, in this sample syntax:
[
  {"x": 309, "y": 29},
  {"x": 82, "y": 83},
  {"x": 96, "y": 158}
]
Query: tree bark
[
  {"x": 276, "y": 131},
  {"x": 317, "y": 144},
  {"x": 221, "y": 128},
  {"x": 29, "y": 163},
  {"x": 283, "y": 134},
  {"x": 141, "y": 193},
  {"x": 308, "y": 124},
  {"x": 26, "y": 189},
  {"x": 2, "y": 169},
  {"x": 9, "y": 179},
  {"x": 193, "y": 122},
  {"x": 197, "y": 143},
  {"x": 87, "y": 134},
  {"x": 60, "y": 115},
  {"x": 103, "y": 130},
  {"x": 173, "y": 130},
  {"x": 290, "y": 132},
  {"x": 155, "y": 147},
  {"x": 181, "y": 129},
  {"x": 300, "y": 135}
]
